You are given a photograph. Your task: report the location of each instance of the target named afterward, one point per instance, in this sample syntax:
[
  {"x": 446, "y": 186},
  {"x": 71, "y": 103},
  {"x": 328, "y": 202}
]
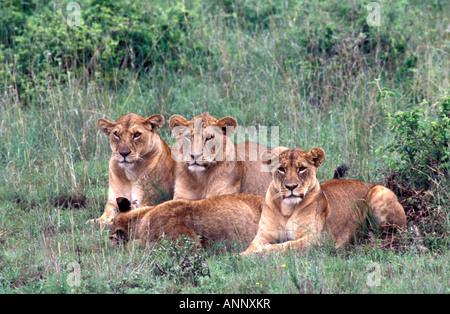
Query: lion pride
[
  {"x": 224, "y": 217},
  {"x": 141, "y": 167},
  {"x": 209, "y": 164},
  {"x": 297, "y": 208}
]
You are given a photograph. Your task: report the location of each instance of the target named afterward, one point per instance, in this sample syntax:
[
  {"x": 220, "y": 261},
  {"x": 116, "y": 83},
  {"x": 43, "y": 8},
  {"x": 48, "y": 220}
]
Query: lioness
[
  {"x": 209, "y": 164},
  {"x": 141, "y": 167},
  {"x": 222, "y": 217},
  {"x": 297, "y": 208}
]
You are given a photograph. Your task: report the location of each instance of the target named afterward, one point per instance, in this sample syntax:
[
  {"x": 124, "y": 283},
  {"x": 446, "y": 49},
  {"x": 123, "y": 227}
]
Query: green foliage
[
  {"x": 251, "y": 14},
  {"x": 423, "y": 144},
  {"x": 419, "y": 156},
  {"x": 422, "y": 139},
  {"x": 180, "y": 262},
  {"x": 326, "y": 43},
  {"x": 114, "y": 39}
]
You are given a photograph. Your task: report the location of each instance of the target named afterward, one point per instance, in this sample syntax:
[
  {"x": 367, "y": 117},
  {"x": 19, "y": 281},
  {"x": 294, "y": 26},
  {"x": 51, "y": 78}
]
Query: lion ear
[
  {"x": 123, "y": 204},
  {"x": 177, "y": 120},
  {"x": 270, "y": 157},
  {"x": 105, "y": 126},
  {"x": 269, "y": 161},
  {"x": 317, "y": 155},
  {"x": 156, "y": 121},
  {"x": 227, "y": 123},
  {"x": 266, "y": 157}
]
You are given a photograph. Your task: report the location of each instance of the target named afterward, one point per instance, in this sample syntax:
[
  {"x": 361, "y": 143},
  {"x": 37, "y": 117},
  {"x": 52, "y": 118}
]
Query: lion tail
[{"x": 340, "y": 171}]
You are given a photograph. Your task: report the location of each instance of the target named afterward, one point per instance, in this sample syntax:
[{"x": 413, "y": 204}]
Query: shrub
[
  {"x": 180, "y": 261},
  {"x": 114, "y": 39},
  {"x": 422, "y": 140},
  {"x": 420, "y": 176},
  {"x": 250, "y": 14},
  {"x": 333, "y": 44}
]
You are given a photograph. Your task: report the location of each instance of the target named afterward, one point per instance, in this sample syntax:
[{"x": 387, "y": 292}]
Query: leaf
[{"x": 378, "y": 97}]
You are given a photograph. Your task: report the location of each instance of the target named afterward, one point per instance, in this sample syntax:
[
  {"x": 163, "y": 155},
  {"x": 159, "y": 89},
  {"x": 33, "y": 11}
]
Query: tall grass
[{"x": 303, "y": 66}]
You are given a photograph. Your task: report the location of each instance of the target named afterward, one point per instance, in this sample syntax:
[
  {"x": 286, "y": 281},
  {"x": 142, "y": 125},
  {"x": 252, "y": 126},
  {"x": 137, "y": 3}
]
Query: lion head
[
  {"x": 121, "y": 223},
  {"x": 202, "y": 141},
  {"x": 293, "y": 171},
  {"x": 131, "y": 136}
]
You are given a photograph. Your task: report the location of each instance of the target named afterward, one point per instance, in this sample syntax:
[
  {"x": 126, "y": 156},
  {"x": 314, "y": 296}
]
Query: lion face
[
  {"x": 294, "y": 172},
  {"x": 121, "y": 223},
  {"x": 202, "y": 141},
  {"x": 131, "y": 136}
]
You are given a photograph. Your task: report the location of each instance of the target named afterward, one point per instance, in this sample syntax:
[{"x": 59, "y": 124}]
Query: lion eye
[
  {"x": 209, "y": 137},
  {"x": 137, "y": 134},
  {"x": 282, "y": 170},
  {"x": 116, "y": 134},
  {"x": 301, "y": 169}
]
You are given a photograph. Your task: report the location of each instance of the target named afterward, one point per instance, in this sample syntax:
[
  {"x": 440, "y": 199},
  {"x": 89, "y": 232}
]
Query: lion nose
[
  {"x": 195, "y": 157},
  {"x": 125, "y": 153},
  {"x": 291, "y": 187}
]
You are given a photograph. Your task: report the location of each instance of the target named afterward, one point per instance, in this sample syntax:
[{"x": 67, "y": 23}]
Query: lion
[
  {"x": 298, "y": 209},
  {"x": 225, "y": 217},
  {"x": 209, "y": 164},
  {"x": 141, "y": 167}
]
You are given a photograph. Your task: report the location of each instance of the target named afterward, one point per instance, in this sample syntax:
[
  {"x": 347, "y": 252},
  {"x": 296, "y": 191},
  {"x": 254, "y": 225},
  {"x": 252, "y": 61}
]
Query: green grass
[
  {"x": 297, "y": 65},
  {"x": 38, "y": 252}
]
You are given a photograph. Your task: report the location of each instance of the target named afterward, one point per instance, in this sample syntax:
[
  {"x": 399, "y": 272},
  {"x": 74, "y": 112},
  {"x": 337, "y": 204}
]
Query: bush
[
  {"x": 114, "y": 39},
  {"x": 420, "y": 176},
  {"x": 332, "y": 42},
  {"x": 422, "y": 140},
  {"x": 181, "y": 261},
  {"x": 250, "y": 14},
  {"x": 328, "y": 45}
]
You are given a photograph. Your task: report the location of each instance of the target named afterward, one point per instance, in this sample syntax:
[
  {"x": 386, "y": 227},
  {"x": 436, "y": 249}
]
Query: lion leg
[
  {"x": 385, "y": 208},
  {"x": 301, "y": 244},
  {"x": 257, "y": 245},
  {"x": 307, "y": 237},
  {"x": 107, "y": 217},
  {"x": 305, "y": 241}
]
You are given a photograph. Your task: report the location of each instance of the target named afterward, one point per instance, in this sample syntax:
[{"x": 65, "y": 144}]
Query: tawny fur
[
  {"x": 298, "y": 209},
  {"x": 234, "y": 172},
  {"x": 146, "y": 174},
  {"x": 225, "y": 217}
]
